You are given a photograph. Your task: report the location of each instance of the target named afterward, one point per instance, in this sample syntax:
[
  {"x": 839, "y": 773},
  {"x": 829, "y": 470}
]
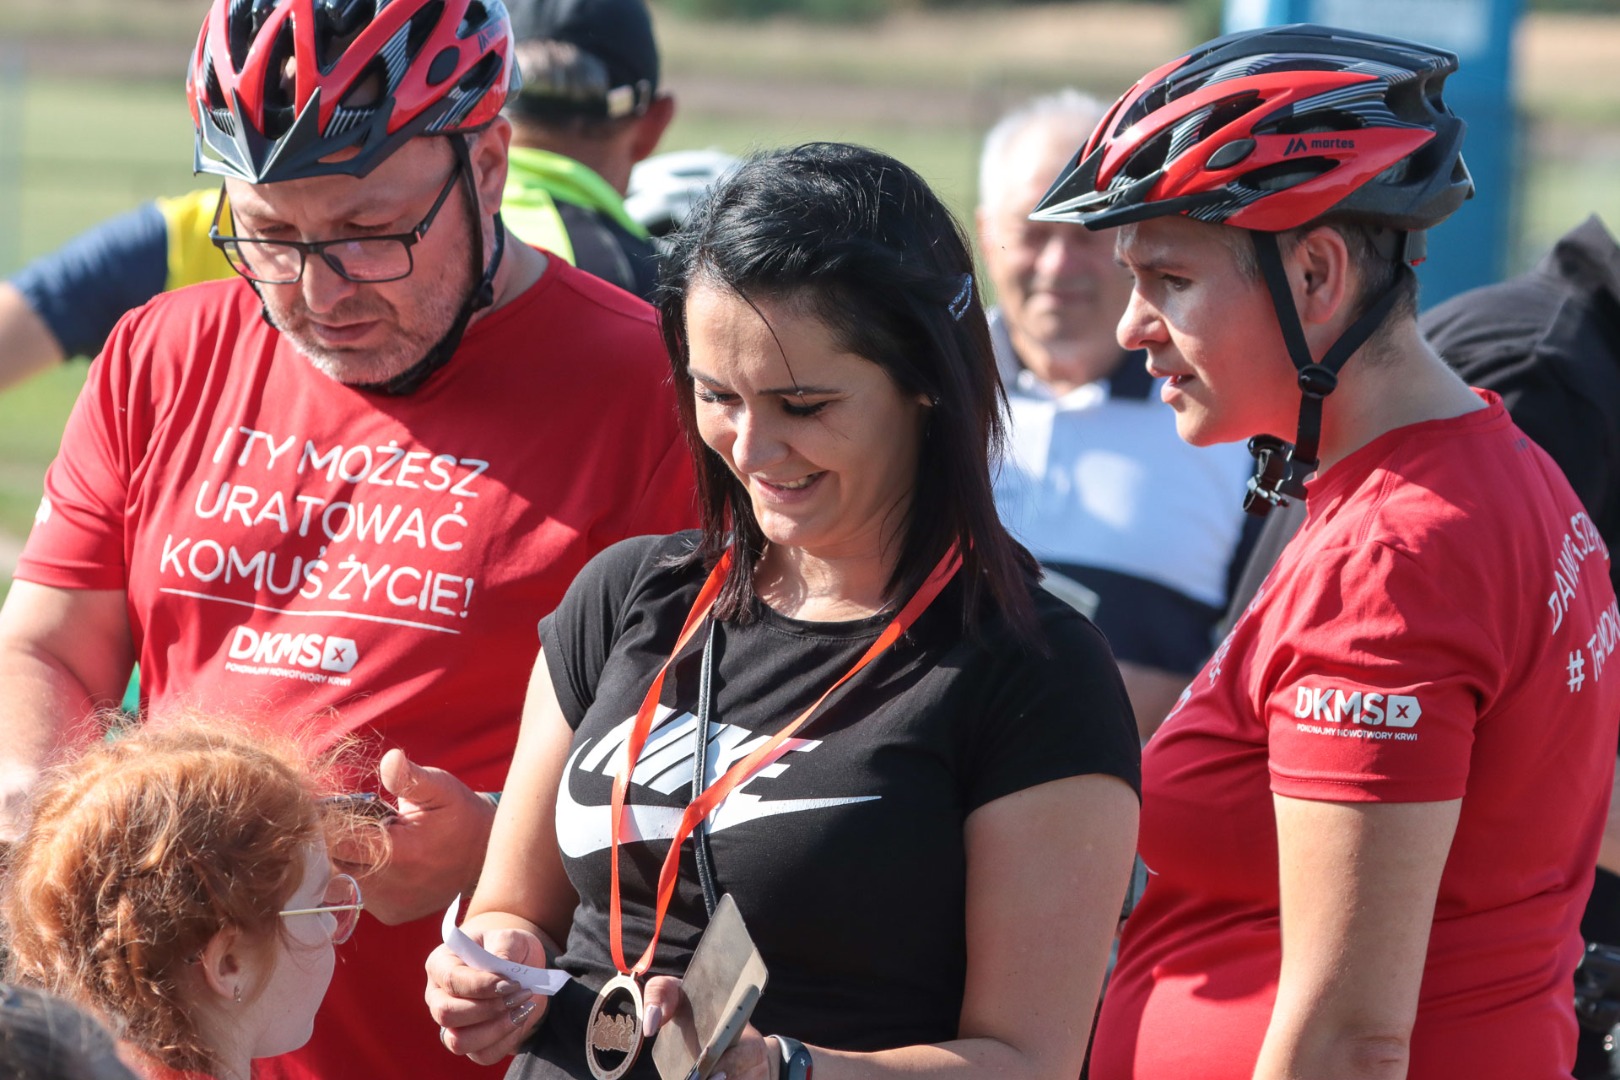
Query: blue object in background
[{"x": 1473, "y": 246}]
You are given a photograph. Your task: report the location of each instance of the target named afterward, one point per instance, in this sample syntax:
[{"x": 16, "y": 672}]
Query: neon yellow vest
[{"x": 537, "y": 179}]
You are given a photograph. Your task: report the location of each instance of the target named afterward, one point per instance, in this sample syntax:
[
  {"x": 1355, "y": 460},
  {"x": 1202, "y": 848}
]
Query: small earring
[{"x": 239, "y": 993}]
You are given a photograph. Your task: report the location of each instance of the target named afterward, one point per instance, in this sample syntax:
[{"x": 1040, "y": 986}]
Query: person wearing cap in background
[{"x": 590, "y": 108}]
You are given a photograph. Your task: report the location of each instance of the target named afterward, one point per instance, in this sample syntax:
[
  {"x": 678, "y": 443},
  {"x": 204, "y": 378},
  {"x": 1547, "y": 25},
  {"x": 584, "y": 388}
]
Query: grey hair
[{"x": 1067, "y": 108}]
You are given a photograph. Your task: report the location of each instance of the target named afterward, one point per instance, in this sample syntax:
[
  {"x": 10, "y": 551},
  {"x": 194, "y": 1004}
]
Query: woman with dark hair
[{"x": 918, "y": 770}]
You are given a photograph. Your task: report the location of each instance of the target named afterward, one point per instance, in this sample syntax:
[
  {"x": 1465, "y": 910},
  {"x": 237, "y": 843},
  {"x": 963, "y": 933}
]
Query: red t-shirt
[
  {"x": 1442, "y": 627},
  {"x": 290, "y": 546}
]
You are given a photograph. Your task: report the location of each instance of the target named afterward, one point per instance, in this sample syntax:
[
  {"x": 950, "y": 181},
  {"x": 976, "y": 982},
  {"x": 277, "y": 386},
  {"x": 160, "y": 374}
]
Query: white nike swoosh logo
[{"x": 583, "y": 828}]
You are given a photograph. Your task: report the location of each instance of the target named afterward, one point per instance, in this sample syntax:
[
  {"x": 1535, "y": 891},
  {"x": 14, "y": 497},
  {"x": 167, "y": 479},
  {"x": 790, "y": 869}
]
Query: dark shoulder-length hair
[{"x": 859, "y": 240}]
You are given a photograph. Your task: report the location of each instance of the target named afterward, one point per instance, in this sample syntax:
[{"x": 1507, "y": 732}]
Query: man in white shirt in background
[{"x": 1134, "y": 526}]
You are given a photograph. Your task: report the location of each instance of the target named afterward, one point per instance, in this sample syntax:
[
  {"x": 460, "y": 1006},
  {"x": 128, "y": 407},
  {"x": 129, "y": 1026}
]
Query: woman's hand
[
  {"x": 481, "y": 1015},
  {"x": 751, "y": 1057}
]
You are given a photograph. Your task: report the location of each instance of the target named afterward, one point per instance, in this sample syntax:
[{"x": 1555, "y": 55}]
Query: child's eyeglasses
[{"x": 341, "y": 900}]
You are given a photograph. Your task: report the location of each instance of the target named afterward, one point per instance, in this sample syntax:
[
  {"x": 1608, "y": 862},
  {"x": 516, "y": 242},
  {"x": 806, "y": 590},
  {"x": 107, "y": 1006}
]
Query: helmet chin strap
[
  {"x": 481, "y": 296},
  {"x": 1280, "y": 468}
]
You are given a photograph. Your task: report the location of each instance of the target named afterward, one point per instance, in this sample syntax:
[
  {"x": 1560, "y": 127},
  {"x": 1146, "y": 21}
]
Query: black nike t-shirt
[{"x": 846, "y": 855}]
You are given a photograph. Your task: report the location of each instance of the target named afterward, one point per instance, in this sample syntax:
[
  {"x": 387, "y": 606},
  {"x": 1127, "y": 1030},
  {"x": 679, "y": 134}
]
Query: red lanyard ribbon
[{"x": 741, "y": 771}]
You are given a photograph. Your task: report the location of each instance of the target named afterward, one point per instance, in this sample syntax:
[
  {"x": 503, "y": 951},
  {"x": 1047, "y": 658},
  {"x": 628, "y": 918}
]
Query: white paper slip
[{"x": 545, "y": 981}]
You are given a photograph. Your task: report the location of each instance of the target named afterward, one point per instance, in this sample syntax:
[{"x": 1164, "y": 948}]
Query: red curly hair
[{"x": 140, "y": 851}]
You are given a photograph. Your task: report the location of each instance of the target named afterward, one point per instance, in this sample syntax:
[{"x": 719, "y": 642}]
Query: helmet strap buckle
[
  {"x": 482, "y": 294},
  {"x": 1281, "y": 468},
  {"x": 1406, "y": 246},
  {"x": 1279, "y": 474}
]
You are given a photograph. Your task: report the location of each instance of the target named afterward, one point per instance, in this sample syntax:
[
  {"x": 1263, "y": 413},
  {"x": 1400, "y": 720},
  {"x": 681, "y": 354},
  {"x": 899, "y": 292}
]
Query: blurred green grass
[{"x": 921, "y": 89}]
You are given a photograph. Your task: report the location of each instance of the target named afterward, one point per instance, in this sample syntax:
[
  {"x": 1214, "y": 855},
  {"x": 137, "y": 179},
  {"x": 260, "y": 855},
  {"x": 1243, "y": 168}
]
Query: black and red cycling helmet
[
  {"x": 1269, "y": 130},
  {"x": 280, "y": 87},
  {"x": 1272, "y": 128}
]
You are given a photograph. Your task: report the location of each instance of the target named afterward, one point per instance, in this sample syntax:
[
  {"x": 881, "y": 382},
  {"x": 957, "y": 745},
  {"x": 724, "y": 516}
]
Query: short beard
[
  {"x": 427, "y": 320},
  {"x": 411, "y": 340}
]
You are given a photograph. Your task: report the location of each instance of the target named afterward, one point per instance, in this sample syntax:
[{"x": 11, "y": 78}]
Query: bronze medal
[{"x": 614, "y": 1033}]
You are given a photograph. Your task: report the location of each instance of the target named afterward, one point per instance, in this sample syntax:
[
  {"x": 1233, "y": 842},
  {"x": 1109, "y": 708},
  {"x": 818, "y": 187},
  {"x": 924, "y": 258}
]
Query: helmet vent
[
  {"x": 474, "y": 20},
  {"x": 422, "y": 24},
  {"x": 368, "y": 90},
  {"x": 395, "y": 57},
  {"x": 338, "y": 23},
  {"x": 240, "y": 26},
  {"x": 1228, "y": 111},
  {"x": 1146, "y": 161},
  {"x": 482, "y": 75},
  {"x": 467, "y": 94},
  {"x": 212, "y": 92},
  {"x": 1207, "y": 122},
  {"x": 278, "y": 83},
  {"x": 1286, "y": 174},
  {"x": 223, "y": 120},
  {"x": 346, "y": 17}
]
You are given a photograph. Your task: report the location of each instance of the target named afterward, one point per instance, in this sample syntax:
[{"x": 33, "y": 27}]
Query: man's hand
[{"x": 438, "y": 842}]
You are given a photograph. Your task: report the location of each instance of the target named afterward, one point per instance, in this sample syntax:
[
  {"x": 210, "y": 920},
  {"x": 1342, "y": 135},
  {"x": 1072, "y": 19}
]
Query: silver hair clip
[{"x": 959, "y": 303}]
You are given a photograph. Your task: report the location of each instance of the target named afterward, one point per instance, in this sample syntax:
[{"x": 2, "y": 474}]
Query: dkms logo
[
  {"x": 1334, "y": 706},
  {"x": 299, "y": 650}
]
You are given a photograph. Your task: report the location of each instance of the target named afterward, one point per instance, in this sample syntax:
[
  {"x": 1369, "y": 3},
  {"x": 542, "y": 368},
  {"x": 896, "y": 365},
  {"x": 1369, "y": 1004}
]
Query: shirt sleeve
[
  {"x": 78, "y": 540},
  {"x": 82, "y": 288},
  {"x": 192, "y": 256},
  {"x": 669, "y": 501},
  {"x": 1054, "y": 716},
  {"x": 1376, "y": 682},
  {"x": 577, "y": 638}
]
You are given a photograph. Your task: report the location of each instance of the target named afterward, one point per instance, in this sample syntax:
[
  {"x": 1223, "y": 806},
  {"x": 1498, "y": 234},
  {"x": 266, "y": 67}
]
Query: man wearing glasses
[
  {"x": 337, "y": 492},
  {"x": 591, "y": 107}
]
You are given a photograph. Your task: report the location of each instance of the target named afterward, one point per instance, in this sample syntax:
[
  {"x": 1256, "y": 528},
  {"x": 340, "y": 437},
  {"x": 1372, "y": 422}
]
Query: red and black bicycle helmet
[
  {"x": 1272, "y": 128},
  {"x": 279, "y": 89},
  {"x": 1269, "y": 130}
]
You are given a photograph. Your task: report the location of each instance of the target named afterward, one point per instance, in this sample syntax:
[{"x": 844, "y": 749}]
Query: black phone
[{"x": 365, "y": 803}]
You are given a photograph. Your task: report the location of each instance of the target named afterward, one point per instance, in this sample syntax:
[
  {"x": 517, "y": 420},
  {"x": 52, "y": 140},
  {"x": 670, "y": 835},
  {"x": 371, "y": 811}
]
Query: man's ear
[
  {"x": 1320, "y": 270},
  {"x": 222, "y": 966},
  {"x": 651, "y": 126},
  {"x": 488, "y": 154}
]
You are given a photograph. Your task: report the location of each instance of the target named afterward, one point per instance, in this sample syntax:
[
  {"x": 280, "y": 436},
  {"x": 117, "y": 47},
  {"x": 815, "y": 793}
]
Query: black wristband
[{"x": 796, "y": 1063}]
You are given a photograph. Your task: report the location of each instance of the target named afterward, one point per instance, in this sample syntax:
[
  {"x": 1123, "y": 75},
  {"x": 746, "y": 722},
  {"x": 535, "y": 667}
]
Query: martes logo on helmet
[{"x": 1297, "y": 145}]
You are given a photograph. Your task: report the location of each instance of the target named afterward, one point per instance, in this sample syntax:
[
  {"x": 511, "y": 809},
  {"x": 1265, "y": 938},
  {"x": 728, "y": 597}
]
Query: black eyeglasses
[{"x": 364, "y": 259}]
